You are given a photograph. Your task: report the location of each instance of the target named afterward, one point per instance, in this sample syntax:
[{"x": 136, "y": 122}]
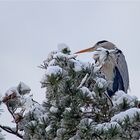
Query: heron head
[
  {"x": 99, "y": 45},
  {"x": 102, "y": 51}
]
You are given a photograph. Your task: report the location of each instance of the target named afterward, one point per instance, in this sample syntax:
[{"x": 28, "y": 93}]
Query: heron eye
[{"x": 119, "y": 51}]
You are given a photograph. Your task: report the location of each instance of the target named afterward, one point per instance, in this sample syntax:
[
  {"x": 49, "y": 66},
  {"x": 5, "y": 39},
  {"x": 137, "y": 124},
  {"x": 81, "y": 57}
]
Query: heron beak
[{"x": 86, "y": 50}]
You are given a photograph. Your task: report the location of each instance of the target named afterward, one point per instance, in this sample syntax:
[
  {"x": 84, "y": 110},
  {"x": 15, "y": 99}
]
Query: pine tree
[
  {"x": 77, "y": 106},
  {"x": 1, "y": 135}
]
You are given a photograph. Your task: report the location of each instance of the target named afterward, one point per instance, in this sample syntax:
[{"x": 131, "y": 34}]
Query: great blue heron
[{"x": 113, "y": 65}]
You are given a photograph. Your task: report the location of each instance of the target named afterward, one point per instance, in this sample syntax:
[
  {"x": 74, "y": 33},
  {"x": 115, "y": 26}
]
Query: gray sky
[{"x": 30, "y": 30}]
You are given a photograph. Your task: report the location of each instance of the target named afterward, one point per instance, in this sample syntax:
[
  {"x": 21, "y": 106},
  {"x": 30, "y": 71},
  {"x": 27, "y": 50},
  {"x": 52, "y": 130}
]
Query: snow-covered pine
[
  {"x": 77, "y": 106},
  {"x": 1, "y": 135}
]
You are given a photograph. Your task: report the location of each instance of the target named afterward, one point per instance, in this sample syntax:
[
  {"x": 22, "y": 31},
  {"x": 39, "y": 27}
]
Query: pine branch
[
  {"x": 83, "y": 81},
  {"x": 9, "y": 130},
  {"x": 108, "y": 98}
]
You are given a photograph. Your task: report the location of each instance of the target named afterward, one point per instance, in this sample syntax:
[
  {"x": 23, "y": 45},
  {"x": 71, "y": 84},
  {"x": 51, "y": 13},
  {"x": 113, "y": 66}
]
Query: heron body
[{"x": 112, "y": 64}]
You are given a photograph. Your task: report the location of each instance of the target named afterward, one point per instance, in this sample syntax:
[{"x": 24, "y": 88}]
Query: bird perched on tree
[{"x": 112, "y": 64}]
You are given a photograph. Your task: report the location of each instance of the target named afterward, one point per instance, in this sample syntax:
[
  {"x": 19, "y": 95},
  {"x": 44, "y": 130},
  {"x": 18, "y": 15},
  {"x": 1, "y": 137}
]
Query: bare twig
[
  {"x": 12, "y": 113},
  {"x": 9, "y": 130},
  {"x": 108, "y": 98}
]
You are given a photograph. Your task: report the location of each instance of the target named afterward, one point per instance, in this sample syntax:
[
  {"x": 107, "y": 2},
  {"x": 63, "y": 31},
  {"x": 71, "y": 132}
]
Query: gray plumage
[
  {"x": 113, "y": 65},
  {"x": 122, "y": 67}
]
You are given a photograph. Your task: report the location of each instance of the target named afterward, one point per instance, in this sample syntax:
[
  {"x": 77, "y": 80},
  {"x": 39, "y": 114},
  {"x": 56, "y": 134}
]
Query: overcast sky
[{"x": 30, "y": 30}]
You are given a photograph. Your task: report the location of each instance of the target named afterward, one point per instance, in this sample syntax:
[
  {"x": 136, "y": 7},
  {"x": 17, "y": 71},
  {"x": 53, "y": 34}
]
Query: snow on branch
[{"x": 130, "y": 113}]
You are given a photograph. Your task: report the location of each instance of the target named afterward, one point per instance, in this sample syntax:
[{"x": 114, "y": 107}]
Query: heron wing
[
  {"x": 117, "y": 83},
  {"x": 123, "y": 69}
]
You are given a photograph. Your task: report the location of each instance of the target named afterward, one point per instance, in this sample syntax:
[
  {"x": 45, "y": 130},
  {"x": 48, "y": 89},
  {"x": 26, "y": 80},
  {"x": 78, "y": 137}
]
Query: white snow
[
  {"x": 68, "y": 109},
  {"x": 27, "y": 103},
  {"x": 76, "y": 137},
  {"x": 63, "y": 46},
  {"x": 85, "y": 121},
  {"x": 11, "y": 91},
  {"x": 120, "y": 96},
  {"x": 60, "y": 55},
  {"x": 54, "y": 109},
  {"x": 53, "y": 70},
  {"x": 60, "y": 132},
  {"x": 65, "y": 56},
  {"x": 24, "y": 88},
  {"x": 52, "y": 62},
  {"x": 85, "y": 90},
  {"x": 48, "y": 128},
  {"x": 101, "y": 83},
  {"x": 49, "y": 58},
  {"x": 107, "y": 126},
  {"x": 43, "y": 117},
  {"x": 128, "y": 113},
  {"x": 37, "y": 109},
  {"x": 77, "y": 65},
  {"x": 34, "y": 123},
  {"x": 86, "y": 109}
]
